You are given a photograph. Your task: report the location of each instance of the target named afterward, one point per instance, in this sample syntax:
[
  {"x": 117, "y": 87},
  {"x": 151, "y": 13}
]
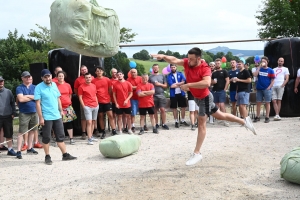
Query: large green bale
[
  {"x": 290, "y": 166},
  {"x": 119, "y": 146}
]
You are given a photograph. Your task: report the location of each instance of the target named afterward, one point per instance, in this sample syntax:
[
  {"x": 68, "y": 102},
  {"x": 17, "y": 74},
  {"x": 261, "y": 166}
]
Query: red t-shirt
[
  {"x": 80, "y": 80},
  {"x": 65, "y": 91},
  {"x": 134, "y": 82},
  {"x": 55, "y": 80},
  {"x": 196, "y": 74},
  {"x": 122, "y": 89},
  {"x": 147, "y": 101},
  {"x": 88, "y": 92},
  {"x": 113, "y": 81},
  {"x": 102, "y": 86}
]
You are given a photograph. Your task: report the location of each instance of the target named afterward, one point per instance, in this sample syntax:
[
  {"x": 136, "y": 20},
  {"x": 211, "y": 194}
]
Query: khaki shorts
[
  {"x": 27, "y": 121},
  {"x": 277, "y": 93}
]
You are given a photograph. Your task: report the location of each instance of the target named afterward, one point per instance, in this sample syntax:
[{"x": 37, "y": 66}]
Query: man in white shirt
[
  {"x": 254, "y": 78},
  {"x": 297, "y": 80},
  {"x": 281, "y": 78}
]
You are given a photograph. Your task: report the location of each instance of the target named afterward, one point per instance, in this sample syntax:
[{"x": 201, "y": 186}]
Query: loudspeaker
[{"x": 35, "y": 71}]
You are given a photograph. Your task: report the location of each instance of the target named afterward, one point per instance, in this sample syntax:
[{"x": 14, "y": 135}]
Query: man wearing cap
[
  {"x": 28, "y": 117},
  {"x": 49, "y": 109},
  {"x": 7, "y": 113}
]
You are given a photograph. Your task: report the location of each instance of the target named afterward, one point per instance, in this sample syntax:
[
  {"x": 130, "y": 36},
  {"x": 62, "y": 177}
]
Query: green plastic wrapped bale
[
  {"x": 119, "y": 146},
  {"x": 290, "y": 166},
  {"x": 85, "y": 27}
]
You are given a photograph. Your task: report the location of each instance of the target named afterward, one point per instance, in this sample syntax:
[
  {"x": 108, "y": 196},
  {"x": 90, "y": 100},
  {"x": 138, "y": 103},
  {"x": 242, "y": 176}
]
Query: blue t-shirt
[
  {"x": 264, "y": 78},
  {"x": 232, "y": 74},
  {"x": 26, "y": 107},
  {"x": 48, "y": 95}
]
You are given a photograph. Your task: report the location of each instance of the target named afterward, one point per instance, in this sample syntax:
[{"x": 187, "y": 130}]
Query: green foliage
[
  {"x": 250, "y": 60},
  {"x": 126, "y": 36},
  {"x": 142, "y": 55},
  {"x": 12, "y": 85},
  {"x": 279, "y": 18}
]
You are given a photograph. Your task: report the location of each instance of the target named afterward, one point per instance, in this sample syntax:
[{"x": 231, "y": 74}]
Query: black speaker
[{"x": 35, "y": 71}]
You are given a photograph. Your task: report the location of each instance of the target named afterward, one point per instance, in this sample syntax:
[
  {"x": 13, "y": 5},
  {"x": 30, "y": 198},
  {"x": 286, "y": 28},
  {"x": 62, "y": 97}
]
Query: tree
[
  {"x": 250, "y": 60},
  {"x": 142, "y": 55},
  {"x": 229, "y": 56},
  {"x": 126, "y": 36},
  {"x": 161, "y": 52},
  {"x": 279, "y": 18},
  {"x": 169, "y": 53},
  {"x": 177, "y": 55},
  {"x": 43, "y": 35}
]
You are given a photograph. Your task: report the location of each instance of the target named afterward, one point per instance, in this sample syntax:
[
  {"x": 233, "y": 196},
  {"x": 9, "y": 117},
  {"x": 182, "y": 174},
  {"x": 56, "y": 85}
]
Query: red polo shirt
[
  {"x": 88, "y": 92},
  {"x": 102, "y": 85},
  {"x": 147, "y": 101},
  {"x": 135, "y": 82},
  {"x": 122, "y": 89}
]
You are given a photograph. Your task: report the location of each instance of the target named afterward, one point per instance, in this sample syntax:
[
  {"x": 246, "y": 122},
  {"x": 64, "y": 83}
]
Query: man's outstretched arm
[{"x": 169, "y": 59}]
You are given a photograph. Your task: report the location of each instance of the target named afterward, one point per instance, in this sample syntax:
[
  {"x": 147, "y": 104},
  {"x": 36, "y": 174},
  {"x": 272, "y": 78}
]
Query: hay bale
[{"x": 290, "y": 166}]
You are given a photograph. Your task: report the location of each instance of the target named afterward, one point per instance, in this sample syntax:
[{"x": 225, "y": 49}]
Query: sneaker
[
  {"x": 226, "y": 124},
  {"x": 184, "y": 123},
  {"x": 267, "y": 120},
  {"x": 67, "y": 156},
  {"x": 145, "y": 128},
  {"x": 155, "y": 131},
  {"x": 130, "y": 132},
  {"x": 19, "y": 155},
  {"x": 90, "y": 142},
  {"x": 11, "y": 153},
  {"x": 176, "y": 125},
  {"x": 165, "y": 127},
  {"x": 133, "y": 129},
  {"x": 96, "y": 133},
  {"x": 141, "y": 132},
  {"x": 72, "y": 141},
  {"x": 32, "y": 151},
  {"x": 193, "y": 128},
  {"x": 194, "y": 159},
  {"x": 83, "y": 136},
  {"x": 104, "y": 134},
  {"x": 94, "y": 139},
  {"x": 3, "y": 148},
  {"x": 256, "y": 119},
  {"x": 48, "y": 160},
  {"x": 38, "y": 145},
  {"x": 114, "y": 132},
  {"x": 157, "y": 126},
  {"x": 125, "y": 130},
  {"x": 120, "y": 132},
  {"x": 277, "y": 118},
  {"x": 249, "y": 126},
  {"x": 24, "y": 147}
]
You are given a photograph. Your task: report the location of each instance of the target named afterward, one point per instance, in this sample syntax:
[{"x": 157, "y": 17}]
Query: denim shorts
[
  {"x": 232, "y": 96},
  {"x": 134, "y": 107},
  {"x": 243, "y": 98},
  {"x": 265, "y": 95},
  {"x": 219, "y": 96}
]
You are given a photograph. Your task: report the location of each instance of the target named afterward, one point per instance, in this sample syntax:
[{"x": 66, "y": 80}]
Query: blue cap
[{"x": 45, "y": 72}]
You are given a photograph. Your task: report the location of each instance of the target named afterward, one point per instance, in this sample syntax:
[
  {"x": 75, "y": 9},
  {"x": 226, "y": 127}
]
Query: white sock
[
  {"x": 9, "y": 148},
  {"x": 132, "y": 125},
  {"x": 176, "y": 120},
  {"x": 182, "y": 120}
]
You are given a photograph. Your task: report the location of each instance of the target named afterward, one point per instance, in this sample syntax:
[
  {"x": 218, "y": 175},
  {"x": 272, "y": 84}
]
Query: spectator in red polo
[
  {"x": 122, "y": 92},
  {"x": 80, "y": 80},
  {"x": 135, "y": 80},
  {"x": 88, "y": 101}
]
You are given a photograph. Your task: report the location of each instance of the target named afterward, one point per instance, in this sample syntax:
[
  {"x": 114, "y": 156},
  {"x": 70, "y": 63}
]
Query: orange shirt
[
  {"x": 102, "y": 85},
  {"x": 134, "y": 82},
  {"x": 113, "y": 81},
  {"x": 147, "y": 101},
  {"x": 55, "y": 80},
  {"x": 65, "y": 91},
  {"x": 196, "y": 74},
  {"x": 88, "y": 92},
  {"x": 122, "y": 89},
  {"x": 80, "y": 80}
]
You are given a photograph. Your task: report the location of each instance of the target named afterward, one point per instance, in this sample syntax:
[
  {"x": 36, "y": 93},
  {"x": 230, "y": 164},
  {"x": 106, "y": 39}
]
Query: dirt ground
[{"x": 236, "y": 165}]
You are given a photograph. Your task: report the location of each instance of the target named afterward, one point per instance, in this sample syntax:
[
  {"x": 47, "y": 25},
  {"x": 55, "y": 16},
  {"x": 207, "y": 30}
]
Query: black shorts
[
  {"x": 104, "y": 107},
  {"x": 113, "y": 106},
  {"x": 143, "y": 111},
  {"x": 120, "y": 111},
  {"x": 7, "y": 125},
  {"x": 178, "y": 101}
]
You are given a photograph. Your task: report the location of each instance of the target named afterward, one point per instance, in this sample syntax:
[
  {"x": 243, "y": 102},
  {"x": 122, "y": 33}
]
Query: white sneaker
[
  {"x": 90, "y": 142},
  {"x": 249, "y": 126},
  {"x": 194, "y": 159},
  {"x": 278, "y": 117},
  {"x": 130, "y": 132},
  {"x": 94, "y": 139},
  {"x": 226, "y": 124}
]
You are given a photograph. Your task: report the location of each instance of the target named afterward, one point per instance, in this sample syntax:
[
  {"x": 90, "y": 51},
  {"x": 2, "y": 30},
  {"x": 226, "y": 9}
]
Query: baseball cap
[
  {"x": 25, "y": 73},
  {"x": 1, "y": 79},
  {"x": 45, "y": 72}
]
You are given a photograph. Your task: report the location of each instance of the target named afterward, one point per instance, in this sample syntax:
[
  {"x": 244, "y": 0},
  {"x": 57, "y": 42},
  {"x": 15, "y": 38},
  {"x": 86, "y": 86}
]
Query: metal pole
[{"x": 79, "y": 65}]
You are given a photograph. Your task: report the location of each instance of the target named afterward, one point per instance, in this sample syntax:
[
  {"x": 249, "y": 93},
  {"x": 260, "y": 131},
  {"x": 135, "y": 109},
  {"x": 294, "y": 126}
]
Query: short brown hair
[
  {"x": 218, "y": 59},
  {"x": 265, "y": 58}
]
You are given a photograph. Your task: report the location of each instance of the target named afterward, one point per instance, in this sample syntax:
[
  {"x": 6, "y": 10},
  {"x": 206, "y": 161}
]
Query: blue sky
[{"x": 168, "y": 21}]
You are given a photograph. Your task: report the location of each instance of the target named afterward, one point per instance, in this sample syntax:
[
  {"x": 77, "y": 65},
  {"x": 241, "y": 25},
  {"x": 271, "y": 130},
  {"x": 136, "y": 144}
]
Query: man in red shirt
[
  {"x": 135, "y": 80},
  {"x": 122, "y": 92},
  {"x": 145, "y": 91},
  {"x": 80, "y": 80},
  {"x": 57, "y": 69},
  {"x": 198, "y": 78},
  {"x": 104, "y": 91},
  {"x": 88, "y": 100}
]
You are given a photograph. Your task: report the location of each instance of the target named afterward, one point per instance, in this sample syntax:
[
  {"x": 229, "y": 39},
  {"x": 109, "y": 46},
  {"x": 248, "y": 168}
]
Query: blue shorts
[
  {"x": 263, "y": 94},
  {"x": 243, "y": 98},
  {"x": 232, "y": 96},
  {"x": 219, "y": 96},
  {"x": 134, "y": 107}
]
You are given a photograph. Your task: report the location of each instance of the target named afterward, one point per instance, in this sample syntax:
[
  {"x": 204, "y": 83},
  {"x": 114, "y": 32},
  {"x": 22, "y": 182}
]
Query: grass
[{"x": 148, "y": 64}]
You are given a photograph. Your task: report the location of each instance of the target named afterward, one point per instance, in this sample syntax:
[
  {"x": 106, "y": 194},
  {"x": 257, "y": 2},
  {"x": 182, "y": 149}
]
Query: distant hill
[{"x": 236, "y": 52}]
